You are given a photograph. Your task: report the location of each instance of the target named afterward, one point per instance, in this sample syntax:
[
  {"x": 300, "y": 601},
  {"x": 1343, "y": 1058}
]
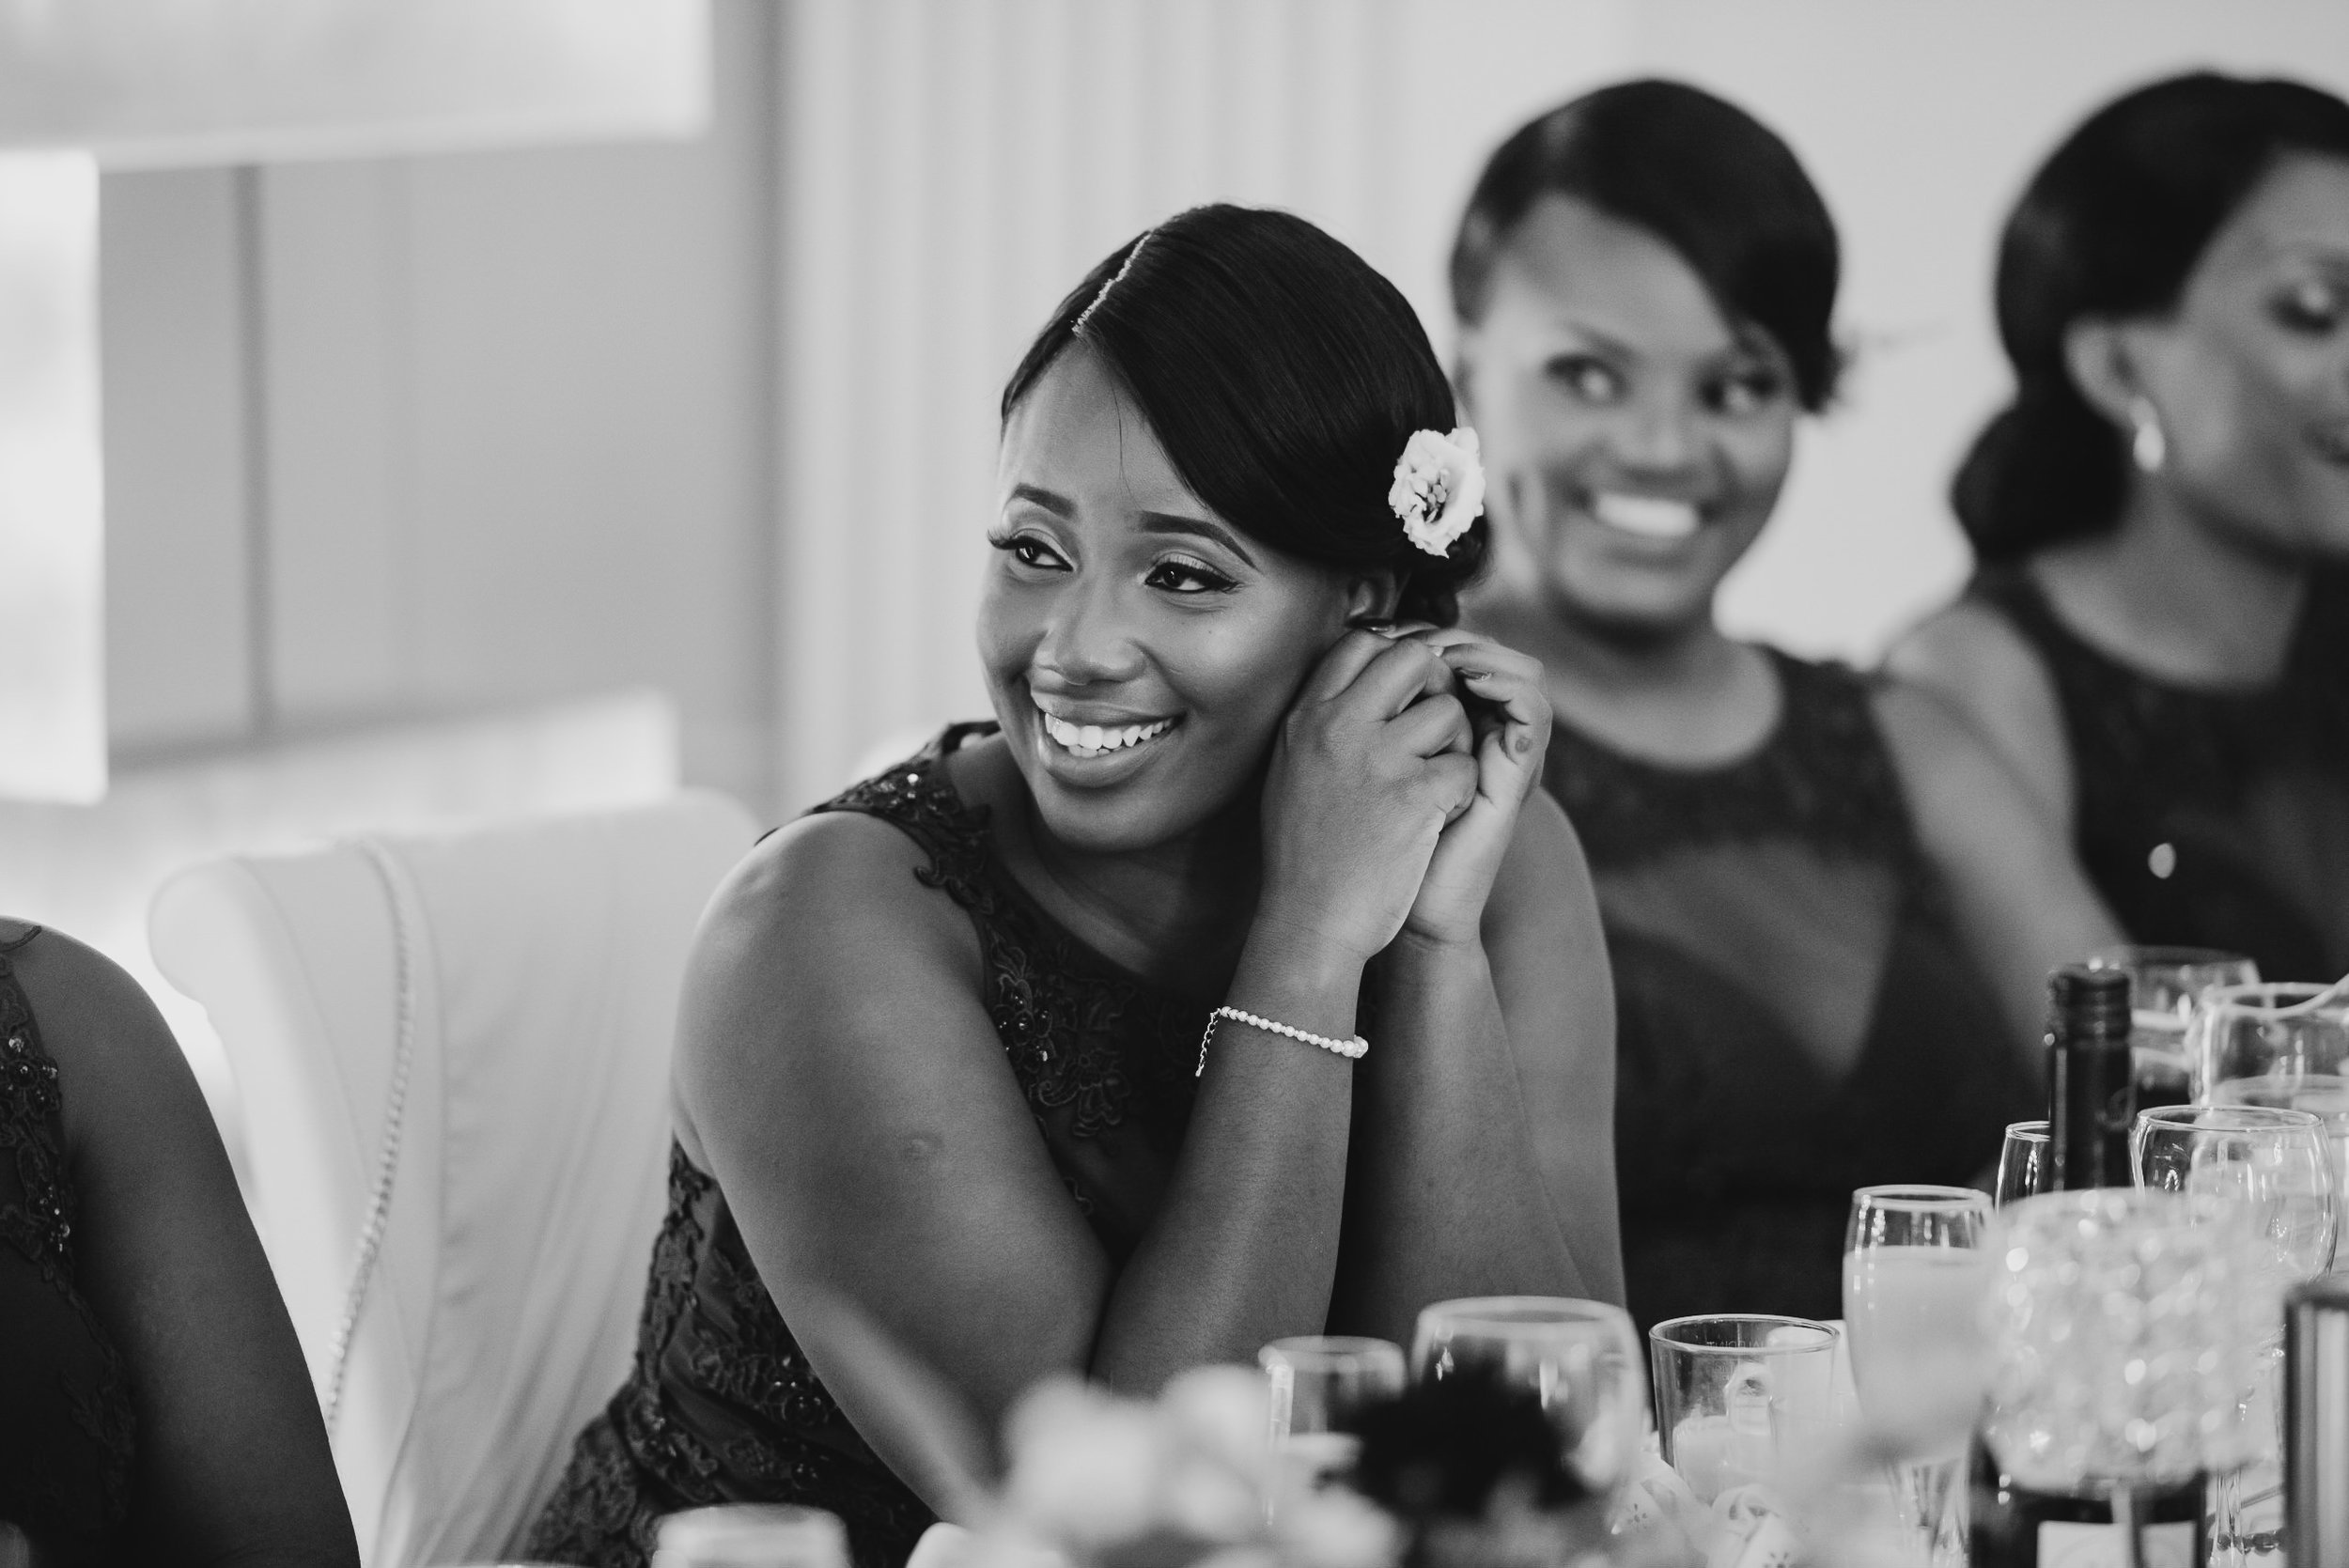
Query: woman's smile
[
  {"x": 1647, "y": 517},
  {"x": 1074, "y": 732}
]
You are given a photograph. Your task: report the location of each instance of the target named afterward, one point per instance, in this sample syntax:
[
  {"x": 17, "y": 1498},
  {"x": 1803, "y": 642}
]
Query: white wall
[
  {"x": 951, "y": 169},
  {"x": 719, "y": 416},
  {"x": 433, "y": 435}
]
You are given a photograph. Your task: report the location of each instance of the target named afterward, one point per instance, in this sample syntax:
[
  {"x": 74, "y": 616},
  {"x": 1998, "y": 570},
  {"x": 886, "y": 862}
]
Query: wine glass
[
  {"x": 2025, "y": 1169},
  {"x": 2269, "y": 1174},
  {"x": 1320, "y": 1383},
  {"x": 2166, "y": 985},
  {"x": 1915, "y": 1272},
  {"x": 1738, "y": 1396},
  {"x": 746, "y": 1535},
  {"x": 1581, "y": 1358},
  {"x": 2284, "y": 1045}
]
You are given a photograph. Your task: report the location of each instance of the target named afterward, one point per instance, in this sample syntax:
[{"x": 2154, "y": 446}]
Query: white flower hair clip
[{"x": 1439, "y": 487}]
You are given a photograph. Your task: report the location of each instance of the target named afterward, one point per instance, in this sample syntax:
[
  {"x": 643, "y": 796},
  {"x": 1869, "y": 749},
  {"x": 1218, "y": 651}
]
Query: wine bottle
[
  {"x": 2092, "y": 1084},
  {"x": 2013, "y": 1526}
]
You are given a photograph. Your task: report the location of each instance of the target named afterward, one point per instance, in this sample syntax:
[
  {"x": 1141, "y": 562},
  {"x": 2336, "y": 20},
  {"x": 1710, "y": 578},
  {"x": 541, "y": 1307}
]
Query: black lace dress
[
  {"x": 1795, "y": 1014},
  {"x": 721, "y": 1406},
  {"x": 66, "y": 1419},
  {"x": 2210, "y": 818}
]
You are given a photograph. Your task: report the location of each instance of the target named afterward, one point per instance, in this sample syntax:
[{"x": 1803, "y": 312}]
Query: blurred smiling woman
[
  {"x": 1822, "y": 981},
  {"x": 1042, "y": 1051}
]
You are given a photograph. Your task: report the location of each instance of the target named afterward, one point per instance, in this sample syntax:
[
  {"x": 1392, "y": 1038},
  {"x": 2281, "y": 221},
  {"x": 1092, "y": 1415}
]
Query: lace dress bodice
[
  {"x": 1795, "y": 1014},
  {"x": 721, "y": 1406},
  {"x": 2210, "y": 818},
  {"x": 65, "y": 1420}
]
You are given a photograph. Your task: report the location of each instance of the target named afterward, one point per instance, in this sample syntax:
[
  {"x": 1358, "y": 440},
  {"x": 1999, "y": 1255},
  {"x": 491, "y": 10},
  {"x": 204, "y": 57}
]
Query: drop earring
[{"x": 2148, "y": 448}]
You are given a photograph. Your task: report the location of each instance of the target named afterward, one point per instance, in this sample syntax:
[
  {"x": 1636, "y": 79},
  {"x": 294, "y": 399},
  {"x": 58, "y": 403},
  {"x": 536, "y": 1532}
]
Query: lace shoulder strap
[
  {"x": 32, "y": 1106},
  {"x": 918, "y": 800}
]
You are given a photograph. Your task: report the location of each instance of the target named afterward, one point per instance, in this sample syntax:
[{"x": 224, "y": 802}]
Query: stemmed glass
[
  {"x": 2265, "y": 1173},
  {"x": 2166, "y": 985},
  {"x": 1581, "y": 1358},
  {"x": 2025, "y": 1167},
  {"x": 2281, "y": 1045},
  {"x": 1915, "y": 1272}
]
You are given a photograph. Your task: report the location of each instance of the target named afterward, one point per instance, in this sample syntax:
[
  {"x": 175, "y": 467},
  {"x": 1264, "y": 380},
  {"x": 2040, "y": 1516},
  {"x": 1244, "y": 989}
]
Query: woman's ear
[
  {"x": 1372, "y": 596},
  {"x": 2104, "y": 357}
]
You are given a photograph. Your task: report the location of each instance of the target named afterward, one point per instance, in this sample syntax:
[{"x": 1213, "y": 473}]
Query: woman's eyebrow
[
  {"x": 1058, "y": 504},
  {"x": 1174, "y": 522}
]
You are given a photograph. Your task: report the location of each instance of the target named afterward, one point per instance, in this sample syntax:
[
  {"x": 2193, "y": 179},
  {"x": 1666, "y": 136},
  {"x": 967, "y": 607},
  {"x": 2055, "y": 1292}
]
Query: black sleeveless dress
[
  {"x": 721, "y": 1406},
  {"x": 2210, "y": 818},
  {"x": 65, "y": 1420},
  {"x": 1795, "y": 1014}
]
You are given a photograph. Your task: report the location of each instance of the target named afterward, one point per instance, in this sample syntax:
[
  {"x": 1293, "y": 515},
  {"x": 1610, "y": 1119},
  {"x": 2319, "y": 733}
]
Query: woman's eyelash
[{"x": 1211, "y": 579}]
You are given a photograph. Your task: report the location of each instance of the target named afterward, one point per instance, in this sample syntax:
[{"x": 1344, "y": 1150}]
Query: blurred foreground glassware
[
  {"x": 1320, "y": 1383},
  {"x": 2268, "y": 1174},
  {"x": 2316, "y": 1422},
  {"x": 1741, "y": 1397},
  {"x": 2124, "y": 1359},
  {"x": 2284, "y": 1045},
  {"x": 1914, "y": 1276},
  {"x": 2023, "y": 1169},
  {"x": 2166, "y": 985},
  {"x": 1582, "y": 1358},
  {"x": 751, "y": 1536}
]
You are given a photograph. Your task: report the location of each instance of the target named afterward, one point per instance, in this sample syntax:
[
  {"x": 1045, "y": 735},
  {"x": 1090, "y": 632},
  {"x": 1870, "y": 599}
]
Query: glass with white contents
[
  {"x": 1915, "y": 1274},
  {"x": 2266, "y": 1173},
  {"x": 2282, "y": 1044},
  {"x": 2165, "y": 987},
  {"x": 751, "y": 1536},
  {"x": 1741, "y": 1398},
  {"x": 1319, "y": 1384},
  {"x": 1579, "y": 1358}
]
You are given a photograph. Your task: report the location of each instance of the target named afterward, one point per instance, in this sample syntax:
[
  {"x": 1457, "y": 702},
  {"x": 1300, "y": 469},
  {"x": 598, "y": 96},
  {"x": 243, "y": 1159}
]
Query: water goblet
[
  {"x": 2025, "y": 1167},
  {"x": 2267, "y": 1173},
  {"x": 1915, "y": 1272},
  {"x": 1579, "y": 1358},
  {"x": 2283, "y": 1045},
  {"x": 1320, "y": 1383},
  {"x": 1740, "y": 1397},
  {"x": 2166, "y": 985}
]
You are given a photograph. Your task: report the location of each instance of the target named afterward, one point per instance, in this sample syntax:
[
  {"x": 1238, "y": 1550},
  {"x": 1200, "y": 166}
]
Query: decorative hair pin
[
  {"x": 1439, "y": 486},
  {"x": 1115, "y": 278}
]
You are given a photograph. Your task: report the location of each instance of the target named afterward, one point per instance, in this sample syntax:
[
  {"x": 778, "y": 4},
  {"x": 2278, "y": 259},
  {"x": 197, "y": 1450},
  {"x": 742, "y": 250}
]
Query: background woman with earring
[
  {"x": 1825, "y": 976},
  {"x": 2157, "y": 641}
]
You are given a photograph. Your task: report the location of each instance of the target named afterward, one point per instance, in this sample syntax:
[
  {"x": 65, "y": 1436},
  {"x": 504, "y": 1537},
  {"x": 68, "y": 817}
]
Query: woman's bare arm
[
  {"x": 851, "y": 1096},
  {"x": 1485, "y": 1113},
  {"x": 2022, "y": 903},
  {"x": 233, "y": 1468}
]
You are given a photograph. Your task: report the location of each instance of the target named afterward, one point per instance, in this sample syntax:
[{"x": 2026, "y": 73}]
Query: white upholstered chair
[{"x": 452, "y": 1055}]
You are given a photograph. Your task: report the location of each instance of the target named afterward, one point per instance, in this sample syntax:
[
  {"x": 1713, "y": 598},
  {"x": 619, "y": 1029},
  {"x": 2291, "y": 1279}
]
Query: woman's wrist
[{"x": 1300, "y": 976}]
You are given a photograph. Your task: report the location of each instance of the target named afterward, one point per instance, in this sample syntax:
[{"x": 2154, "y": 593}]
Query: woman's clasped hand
[{"x": 1389, "y": 803}]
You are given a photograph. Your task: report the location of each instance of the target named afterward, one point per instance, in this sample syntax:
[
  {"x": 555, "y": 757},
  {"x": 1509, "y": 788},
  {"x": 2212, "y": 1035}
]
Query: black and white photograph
[{"x": 1173, "y": 784}]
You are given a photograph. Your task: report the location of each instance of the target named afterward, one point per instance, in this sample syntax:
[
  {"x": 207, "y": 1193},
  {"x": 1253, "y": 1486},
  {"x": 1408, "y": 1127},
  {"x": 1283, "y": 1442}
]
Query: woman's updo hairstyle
[
  {"x": 2111, "y": 226},
  {"x": 1283, "y": 376},
  {"x": 1700, "y": 174}
]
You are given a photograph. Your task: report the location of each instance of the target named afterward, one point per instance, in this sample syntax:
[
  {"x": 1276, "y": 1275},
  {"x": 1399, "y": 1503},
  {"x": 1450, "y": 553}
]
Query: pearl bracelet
[{"x": 1353, "y": 1050}]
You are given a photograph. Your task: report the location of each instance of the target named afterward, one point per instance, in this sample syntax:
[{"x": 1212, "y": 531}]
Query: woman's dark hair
[
  {"x": 1700, "y": 174},
  {"x": 2111, "y": 226},
  {"x": 1283, "y": 376}
]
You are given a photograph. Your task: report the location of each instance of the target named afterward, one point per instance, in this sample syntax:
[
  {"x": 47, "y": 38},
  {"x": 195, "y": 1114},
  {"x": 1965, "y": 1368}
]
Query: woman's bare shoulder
[
  {"x": 1969, "y": 658},
  {"x": 836, "y": 882},
  {"x": 92, "y": 1015}
]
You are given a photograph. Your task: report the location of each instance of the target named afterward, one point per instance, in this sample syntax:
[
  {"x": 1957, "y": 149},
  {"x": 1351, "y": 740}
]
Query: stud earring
[{"x": 2148, "y": 448}]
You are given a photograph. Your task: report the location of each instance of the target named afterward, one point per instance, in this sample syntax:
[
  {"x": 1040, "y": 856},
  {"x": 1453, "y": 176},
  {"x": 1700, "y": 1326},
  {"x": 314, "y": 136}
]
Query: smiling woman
[
  {"x": 1645, "y": 280},
  {"x": 975, "y": 1056}
]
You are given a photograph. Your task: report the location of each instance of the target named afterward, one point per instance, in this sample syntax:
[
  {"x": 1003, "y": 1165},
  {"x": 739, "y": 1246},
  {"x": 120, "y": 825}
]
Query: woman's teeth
[
  {"x": 1092, "y": 740},
  {"x": 1650, "y": 516}
]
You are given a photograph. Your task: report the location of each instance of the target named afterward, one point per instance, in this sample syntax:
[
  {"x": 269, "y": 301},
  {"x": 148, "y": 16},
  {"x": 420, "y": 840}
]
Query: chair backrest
[{"x": 534, "y": 969}]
